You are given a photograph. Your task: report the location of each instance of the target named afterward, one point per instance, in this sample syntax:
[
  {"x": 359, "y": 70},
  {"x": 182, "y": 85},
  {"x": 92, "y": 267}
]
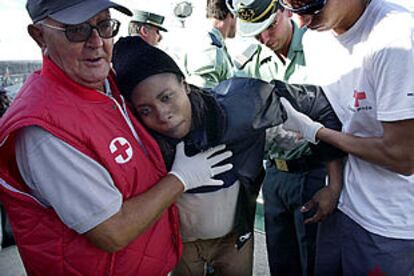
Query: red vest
[{"x": 92, "y": 123}]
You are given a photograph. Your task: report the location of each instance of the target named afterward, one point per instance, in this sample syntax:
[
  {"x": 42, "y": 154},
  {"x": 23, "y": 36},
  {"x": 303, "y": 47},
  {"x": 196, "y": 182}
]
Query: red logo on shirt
[
  {"x": 121, "y": 150},
  {"x": 359, "y": 96}
]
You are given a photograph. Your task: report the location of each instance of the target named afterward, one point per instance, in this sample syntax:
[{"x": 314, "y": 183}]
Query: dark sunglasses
[
  {"x": 309, "y": 9},
  {"x": 107, "y": 28}
]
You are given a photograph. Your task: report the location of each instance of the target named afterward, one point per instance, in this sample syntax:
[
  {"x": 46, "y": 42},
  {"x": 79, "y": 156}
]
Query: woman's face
[{"x": 162, "y": 103}]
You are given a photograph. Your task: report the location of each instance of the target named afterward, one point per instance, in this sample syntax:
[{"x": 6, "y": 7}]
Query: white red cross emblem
[{"x": 121, "y": 150}]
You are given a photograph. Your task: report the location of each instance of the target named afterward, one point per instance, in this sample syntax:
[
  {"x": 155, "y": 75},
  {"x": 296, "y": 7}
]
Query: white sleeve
[
  {"x": 393, "y": 78},
  {"x": 78, "y": 188}
]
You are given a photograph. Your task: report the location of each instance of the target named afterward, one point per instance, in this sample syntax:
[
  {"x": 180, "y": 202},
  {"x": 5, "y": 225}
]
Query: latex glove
[
  {"x": 199, "y": 170},
  {"x": 300, "y": 122}
]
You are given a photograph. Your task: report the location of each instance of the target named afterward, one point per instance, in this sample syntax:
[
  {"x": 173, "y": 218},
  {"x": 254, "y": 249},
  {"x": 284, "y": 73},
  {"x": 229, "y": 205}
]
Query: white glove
[
  {"x": 199, "y": 170},
  {"x": 300, "y": 122}
]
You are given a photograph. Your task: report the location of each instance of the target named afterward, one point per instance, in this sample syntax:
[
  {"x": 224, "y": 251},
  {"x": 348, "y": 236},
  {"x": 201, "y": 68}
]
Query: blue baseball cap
[{"x": 70, "y": 11}]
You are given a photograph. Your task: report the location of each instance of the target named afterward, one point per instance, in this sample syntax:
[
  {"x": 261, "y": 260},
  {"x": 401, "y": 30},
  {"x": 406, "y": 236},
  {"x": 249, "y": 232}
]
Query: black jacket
[{"x": 236, "y": 113}]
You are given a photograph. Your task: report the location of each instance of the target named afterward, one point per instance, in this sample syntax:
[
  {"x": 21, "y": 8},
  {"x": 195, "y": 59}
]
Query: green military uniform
[
  {"x": 209, "y": 62},
  {"x": 262, "y": 63},
  {"x": 258, "y": 61},
  {"x": 290, "y": 243}
]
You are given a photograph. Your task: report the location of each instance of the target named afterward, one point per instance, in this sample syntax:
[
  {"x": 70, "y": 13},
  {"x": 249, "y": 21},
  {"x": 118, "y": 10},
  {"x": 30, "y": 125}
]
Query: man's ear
[
  {"x": 187, "y": 87},
  {"x": 143, "y": 30},
  {"x": 37, "y": 34}
]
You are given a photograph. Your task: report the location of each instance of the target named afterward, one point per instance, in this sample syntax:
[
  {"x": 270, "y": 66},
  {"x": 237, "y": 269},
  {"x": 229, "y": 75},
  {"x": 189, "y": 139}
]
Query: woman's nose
[{"x": 164, "y": 114}]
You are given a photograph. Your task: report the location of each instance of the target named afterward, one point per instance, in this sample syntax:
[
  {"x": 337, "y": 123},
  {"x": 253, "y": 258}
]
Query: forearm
[
  {"x": 135, "y": 215},
  {"x": 389, "y": 153},
  {"x": 334, "y": 168}
]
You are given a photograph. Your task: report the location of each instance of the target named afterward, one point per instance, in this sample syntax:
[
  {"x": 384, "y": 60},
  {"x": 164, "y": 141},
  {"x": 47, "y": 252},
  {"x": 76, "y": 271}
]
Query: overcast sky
[{"x": 15, "y": 43}]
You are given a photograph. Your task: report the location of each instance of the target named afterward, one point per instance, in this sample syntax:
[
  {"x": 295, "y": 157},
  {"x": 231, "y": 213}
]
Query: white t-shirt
[
  {"x": 208, "y": 215},
  {"x": 368, "y": 76}
]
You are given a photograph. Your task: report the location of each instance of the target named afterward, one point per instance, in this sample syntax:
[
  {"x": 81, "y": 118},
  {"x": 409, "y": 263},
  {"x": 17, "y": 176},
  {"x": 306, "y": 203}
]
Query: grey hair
[{"x": 134, "y": 27}]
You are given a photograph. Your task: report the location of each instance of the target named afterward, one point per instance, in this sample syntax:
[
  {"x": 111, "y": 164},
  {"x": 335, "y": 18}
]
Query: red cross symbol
[
  {"x": 121, "y": 150},
  {"x": 359, "y": 96}
]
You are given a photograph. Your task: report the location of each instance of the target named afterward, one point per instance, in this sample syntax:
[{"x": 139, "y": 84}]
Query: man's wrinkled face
[
  {"x": 278, "y": 34},
  {"x": 162, "y": 103},
  {"x": 87, "y": 62}
]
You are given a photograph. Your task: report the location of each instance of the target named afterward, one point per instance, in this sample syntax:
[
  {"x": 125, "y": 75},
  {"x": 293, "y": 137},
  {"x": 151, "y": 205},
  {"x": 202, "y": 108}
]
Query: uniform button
[{"x": 114, "y": 106}]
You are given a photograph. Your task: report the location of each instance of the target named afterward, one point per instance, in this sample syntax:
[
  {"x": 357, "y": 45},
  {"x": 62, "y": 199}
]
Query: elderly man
[
  {"x": 83, "y": 183},
  {"x": 148, "y": 26},
  {"x": 362, "y": 53}
]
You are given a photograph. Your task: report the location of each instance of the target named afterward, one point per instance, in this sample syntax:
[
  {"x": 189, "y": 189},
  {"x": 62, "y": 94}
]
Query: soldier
[
  {"x": 292, "y": 176},
  {"x": 208, "y": 62},
  {"x": 148, "y": 26}
]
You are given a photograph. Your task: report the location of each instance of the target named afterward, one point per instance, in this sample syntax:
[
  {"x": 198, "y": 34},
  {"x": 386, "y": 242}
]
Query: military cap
[
  {"x": 149, "y": 18},
  {"x": 254, "y": 16}
]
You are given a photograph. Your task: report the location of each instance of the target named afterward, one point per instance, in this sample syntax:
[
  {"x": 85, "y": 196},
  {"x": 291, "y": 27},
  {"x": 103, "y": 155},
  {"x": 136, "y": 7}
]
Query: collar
[
  {"x": 216, "y": 32},
  {"x": 52, "y": 72},
  {"x": 296, "y": 43}
]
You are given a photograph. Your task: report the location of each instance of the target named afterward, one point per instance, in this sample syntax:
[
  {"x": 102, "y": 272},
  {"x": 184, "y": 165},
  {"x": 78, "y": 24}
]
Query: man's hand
[
  {"x": 325, "y": 202},
  {"x": 299, "y": 122},
  {"x": 199, "y": 170}
]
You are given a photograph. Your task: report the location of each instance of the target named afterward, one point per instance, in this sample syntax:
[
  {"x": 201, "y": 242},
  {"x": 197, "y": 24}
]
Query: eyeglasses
[
  {"x": 309, "y": 9},
  {"x": 107, "y": 28}
]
